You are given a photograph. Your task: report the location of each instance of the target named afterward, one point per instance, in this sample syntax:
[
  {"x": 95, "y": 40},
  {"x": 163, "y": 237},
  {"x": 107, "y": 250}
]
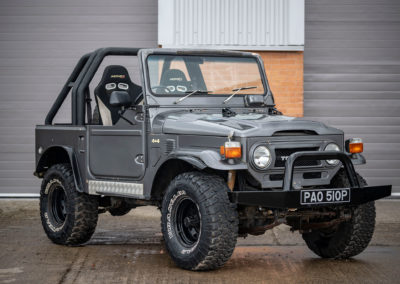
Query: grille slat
[{"x": 279, "y": 153}]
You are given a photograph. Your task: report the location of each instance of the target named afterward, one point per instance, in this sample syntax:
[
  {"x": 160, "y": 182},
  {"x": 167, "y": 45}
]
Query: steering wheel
[{"x": 165, "y": 88}]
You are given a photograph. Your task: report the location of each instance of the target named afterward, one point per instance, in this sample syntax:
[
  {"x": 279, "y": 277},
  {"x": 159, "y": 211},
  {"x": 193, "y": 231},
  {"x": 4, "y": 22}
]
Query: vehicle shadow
[{"x": 126, "y": 238}]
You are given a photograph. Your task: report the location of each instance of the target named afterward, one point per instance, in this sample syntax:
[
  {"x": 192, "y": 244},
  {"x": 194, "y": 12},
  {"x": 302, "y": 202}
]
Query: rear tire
[
  {"x": 68, "y": 216},
  {"x": 351, "y": 237},
  {"x": 199, "y": 223}
]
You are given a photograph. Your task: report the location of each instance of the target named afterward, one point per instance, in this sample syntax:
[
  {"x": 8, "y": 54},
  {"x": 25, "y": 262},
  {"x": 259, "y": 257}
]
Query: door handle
[{"x": 81, "y": 144}]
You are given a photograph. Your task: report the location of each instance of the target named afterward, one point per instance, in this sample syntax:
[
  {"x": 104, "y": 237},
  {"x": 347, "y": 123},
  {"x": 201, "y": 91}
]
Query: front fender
[{"x": 206, "y": 158}]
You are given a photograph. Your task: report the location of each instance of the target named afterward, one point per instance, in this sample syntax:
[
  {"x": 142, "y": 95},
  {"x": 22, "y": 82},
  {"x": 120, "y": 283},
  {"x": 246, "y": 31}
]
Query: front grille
[
  {"x": 313, "y": 175},
  {"x": 276, "y": 177},
  {"x": 282, "y": 154}
]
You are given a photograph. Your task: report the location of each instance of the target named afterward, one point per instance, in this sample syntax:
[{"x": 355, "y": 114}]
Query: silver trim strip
[
  {"x": 115, "y": 188},
  {"x": 19, "y": 195}
]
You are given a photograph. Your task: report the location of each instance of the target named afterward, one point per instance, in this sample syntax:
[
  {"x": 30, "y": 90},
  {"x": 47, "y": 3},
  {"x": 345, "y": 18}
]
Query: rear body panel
[{"x": 72, "y": 139}]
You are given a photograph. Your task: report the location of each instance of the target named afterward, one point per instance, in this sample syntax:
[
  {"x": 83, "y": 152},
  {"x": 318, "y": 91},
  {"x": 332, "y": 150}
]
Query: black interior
[
  {"x": 116, "y": 74},
  {"x": 176, "y": 79}
]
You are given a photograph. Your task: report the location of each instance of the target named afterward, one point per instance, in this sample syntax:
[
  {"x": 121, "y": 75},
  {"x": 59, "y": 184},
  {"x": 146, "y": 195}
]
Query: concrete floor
[{"x": 129, "y": 249}]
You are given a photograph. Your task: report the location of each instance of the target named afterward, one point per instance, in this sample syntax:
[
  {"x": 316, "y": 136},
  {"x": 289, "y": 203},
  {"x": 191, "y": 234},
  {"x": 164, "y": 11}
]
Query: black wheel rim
[
  {"x": 188, "y": 221},
  {"x": 57, "y": 204}
]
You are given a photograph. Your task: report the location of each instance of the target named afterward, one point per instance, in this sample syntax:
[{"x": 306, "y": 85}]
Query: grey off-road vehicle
[{"x": 199, "y": 136}]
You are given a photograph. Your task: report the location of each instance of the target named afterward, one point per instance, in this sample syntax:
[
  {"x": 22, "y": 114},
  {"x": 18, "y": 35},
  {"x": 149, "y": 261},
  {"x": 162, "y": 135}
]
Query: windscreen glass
[{"x": 179, "y": 75}]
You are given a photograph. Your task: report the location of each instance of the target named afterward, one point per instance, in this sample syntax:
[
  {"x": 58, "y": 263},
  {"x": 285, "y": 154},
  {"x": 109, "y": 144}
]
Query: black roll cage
[
  {"x": 80, "y": 79},
  {"x": 84, "y": 71}
]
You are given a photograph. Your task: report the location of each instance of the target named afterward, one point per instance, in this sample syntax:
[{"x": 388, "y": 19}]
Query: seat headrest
[
  {"x": 115, "y": 74},
  {"x": 173, "y": 76}
]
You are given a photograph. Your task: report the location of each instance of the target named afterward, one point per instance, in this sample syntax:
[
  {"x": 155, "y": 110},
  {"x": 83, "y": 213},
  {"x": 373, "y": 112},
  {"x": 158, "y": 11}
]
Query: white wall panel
[{"x": 232, "y": 24}]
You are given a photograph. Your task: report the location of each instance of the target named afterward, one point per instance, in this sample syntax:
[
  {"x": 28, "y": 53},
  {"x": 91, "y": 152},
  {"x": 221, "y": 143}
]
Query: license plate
[{"x": 324, "y": 196}]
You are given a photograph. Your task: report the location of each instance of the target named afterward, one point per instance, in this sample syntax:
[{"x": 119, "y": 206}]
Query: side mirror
[{"x": 120, "y": 99}]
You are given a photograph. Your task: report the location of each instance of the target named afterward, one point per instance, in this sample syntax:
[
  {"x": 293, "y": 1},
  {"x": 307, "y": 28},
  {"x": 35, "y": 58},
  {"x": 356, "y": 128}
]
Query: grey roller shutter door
[
  {"x": 40, "y": 42},
  {"x": 352, "y": 77}
]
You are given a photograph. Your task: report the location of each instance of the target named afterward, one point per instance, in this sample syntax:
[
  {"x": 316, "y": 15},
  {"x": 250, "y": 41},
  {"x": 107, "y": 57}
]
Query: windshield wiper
[
  {"x": 189, "y": 93},
  {"x": 235, "y": 91}
]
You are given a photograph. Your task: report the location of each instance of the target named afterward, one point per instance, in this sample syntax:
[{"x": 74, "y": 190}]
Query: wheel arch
[
  {"x": 59, "y": 155},
  {"x": 169, "y": 170}
]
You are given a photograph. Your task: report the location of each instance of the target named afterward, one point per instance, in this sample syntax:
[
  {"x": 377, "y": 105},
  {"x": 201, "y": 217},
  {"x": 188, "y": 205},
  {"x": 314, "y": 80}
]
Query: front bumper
[{"x": 290, "y": 198}]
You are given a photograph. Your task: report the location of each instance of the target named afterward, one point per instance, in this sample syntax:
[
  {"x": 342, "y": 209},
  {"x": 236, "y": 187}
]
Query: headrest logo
[{"x": 118, "y": 76}]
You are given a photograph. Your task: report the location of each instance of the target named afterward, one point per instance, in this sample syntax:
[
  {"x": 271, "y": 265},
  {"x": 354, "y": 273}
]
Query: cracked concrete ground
[{"x": 129, "y": 249}]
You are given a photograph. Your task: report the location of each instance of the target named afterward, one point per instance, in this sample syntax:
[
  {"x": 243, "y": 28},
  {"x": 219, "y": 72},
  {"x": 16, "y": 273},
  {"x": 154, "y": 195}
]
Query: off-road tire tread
[
  {"x": 222, "y": 221},
  {"x": 355, "y": 235},
  {"x": 81, "y": 224}
]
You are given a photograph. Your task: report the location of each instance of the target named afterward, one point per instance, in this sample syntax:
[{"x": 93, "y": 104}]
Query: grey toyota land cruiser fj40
[{"x": 199, "y": 136}]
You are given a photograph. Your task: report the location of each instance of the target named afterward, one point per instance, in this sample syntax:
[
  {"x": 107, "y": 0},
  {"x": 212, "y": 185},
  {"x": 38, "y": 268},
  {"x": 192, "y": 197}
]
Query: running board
[{"x": 114, "y": 188}]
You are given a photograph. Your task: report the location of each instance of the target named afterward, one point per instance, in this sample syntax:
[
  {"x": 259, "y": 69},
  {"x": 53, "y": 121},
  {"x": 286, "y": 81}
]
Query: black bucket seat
[{"x": 115, "y": 78}]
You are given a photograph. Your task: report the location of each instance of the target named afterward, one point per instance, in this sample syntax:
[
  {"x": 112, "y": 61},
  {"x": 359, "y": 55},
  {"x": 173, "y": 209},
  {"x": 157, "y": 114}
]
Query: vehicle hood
[{"x": 243, "y": 125}]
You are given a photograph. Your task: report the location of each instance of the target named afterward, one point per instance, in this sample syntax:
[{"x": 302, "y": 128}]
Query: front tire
[
  {"x": 199, "y": 224},
  {"x": 68, "y": 216},
  {"x": 349, "y": 238}
]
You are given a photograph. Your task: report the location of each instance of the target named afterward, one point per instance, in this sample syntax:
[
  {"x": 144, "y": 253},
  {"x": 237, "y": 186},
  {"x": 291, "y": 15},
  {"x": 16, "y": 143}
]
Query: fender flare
[
  {"x": 193, "y": 161},
  {"x": 43, "y": 162},
  {"x": 202, "y": 159}
]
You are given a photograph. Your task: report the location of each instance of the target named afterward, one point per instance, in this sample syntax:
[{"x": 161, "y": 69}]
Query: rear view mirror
[{"x": 120, "y": 99}]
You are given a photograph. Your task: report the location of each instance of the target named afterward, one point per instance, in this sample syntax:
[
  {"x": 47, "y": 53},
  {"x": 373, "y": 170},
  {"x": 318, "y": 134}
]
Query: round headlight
[
  {"x": 332, "y": 147},
  {"x": 262, "y": 157}
]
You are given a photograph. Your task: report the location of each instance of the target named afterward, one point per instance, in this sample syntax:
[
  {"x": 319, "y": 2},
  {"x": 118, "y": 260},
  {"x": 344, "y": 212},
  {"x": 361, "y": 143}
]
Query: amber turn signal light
[
  {"x": 231, "y": 150},
  {"x": 354, "y": 145}
]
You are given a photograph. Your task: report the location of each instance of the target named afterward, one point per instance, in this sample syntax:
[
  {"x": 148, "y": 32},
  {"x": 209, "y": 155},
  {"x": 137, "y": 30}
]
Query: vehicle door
[{"x": 115, "y": 145}]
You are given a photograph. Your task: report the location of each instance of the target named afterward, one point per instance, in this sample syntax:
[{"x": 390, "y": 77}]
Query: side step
[{"x": 125, "y": 189}]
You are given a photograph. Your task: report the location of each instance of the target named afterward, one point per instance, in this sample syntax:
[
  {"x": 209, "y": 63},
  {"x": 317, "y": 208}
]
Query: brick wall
[{"x": 285, "y": 76}]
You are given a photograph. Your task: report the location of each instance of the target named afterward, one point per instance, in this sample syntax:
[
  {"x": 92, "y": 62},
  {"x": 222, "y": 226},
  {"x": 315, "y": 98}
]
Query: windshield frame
[{"x": 153, "y": 98}]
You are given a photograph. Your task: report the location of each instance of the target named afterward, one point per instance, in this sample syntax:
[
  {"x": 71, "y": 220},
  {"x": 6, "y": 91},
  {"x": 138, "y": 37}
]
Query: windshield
[{"x": 180, "y": 75}]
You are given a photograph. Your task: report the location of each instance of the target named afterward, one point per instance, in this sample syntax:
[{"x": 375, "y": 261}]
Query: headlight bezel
[
  {"x": 337, "y": 149},
  {"x": 252, "y": 157}
]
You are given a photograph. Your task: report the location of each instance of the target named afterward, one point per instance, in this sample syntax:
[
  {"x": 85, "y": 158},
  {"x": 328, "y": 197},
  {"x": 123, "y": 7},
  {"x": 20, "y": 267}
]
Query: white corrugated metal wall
[{"x": 232, "y": 24}]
